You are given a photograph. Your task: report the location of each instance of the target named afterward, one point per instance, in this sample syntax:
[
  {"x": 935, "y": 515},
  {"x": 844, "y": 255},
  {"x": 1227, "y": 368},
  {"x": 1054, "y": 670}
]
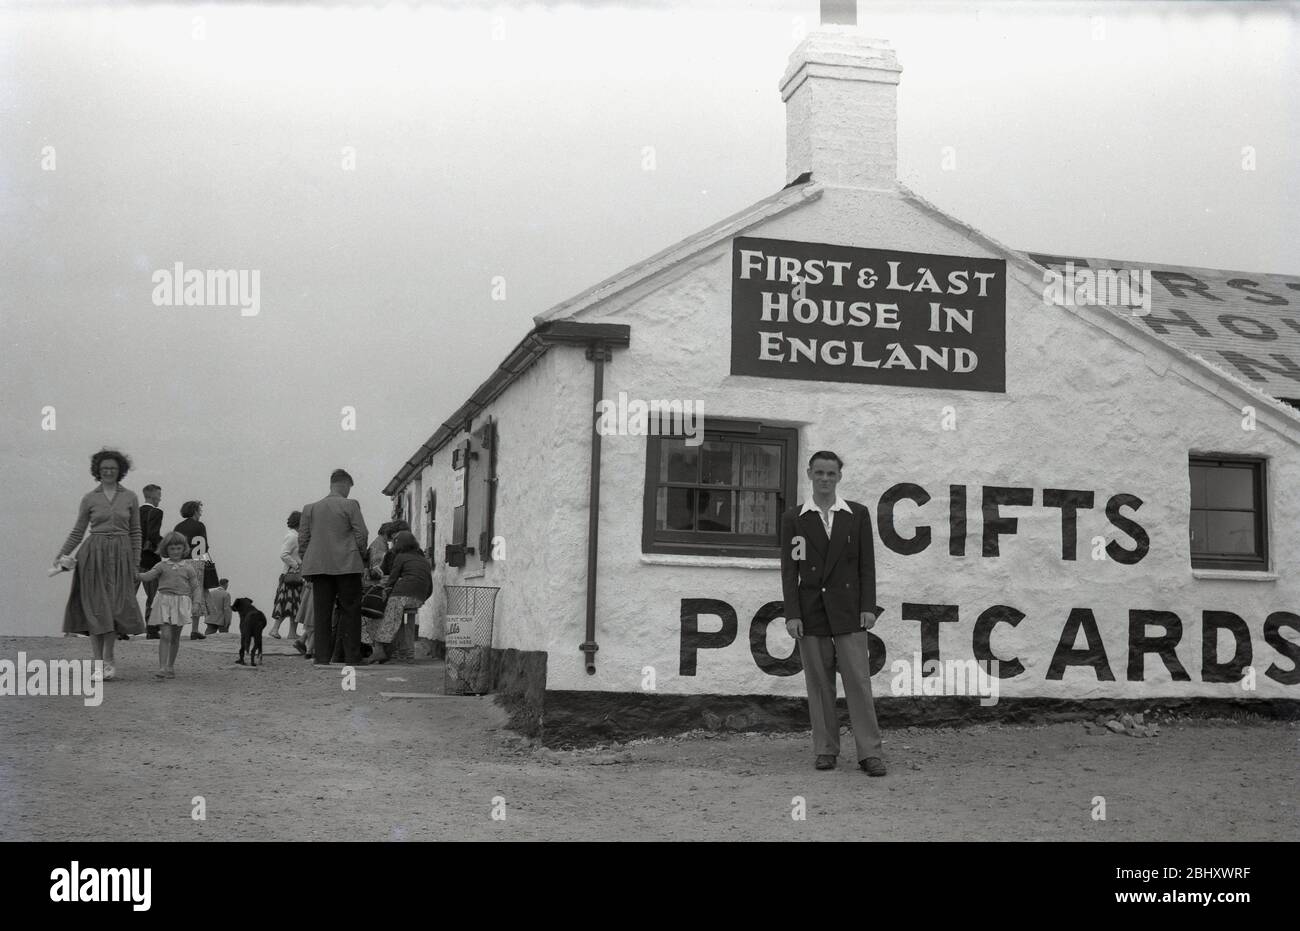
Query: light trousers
[{"x": 822, "y": 657}]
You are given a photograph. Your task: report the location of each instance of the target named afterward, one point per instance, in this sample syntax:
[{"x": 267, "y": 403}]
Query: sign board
[
  {"x": 460, "y": 631},
  {"x": 835, "y": 313}
]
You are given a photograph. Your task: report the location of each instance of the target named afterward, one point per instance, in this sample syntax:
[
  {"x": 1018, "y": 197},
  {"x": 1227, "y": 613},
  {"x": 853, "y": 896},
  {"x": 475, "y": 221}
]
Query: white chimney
[{"x": 841, "y": 110}]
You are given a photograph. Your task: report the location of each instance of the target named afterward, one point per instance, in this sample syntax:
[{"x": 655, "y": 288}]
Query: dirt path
[{"x": 283, "y": 752}]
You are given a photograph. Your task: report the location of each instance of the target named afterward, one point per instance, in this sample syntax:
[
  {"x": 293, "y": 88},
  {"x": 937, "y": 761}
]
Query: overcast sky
[{"x": 512, "y": 142}]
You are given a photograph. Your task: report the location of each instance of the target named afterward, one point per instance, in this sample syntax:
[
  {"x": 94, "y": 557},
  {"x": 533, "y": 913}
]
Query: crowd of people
[{"x": 330, "y": 568}]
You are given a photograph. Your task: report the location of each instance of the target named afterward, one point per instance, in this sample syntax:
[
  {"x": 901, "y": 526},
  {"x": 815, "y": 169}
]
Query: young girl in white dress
[{"x": 177, "y": 602}]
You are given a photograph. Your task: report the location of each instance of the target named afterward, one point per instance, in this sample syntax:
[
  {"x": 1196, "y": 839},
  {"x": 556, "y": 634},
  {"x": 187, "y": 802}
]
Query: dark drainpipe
[{"x": 600, "y": 354}]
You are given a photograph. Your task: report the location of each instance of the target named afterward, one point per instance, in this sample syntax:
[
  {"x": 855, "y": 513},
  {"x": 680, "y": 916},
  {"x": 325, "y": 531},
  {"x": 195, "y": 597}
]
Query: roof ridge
[{"x": 1130, "y": 263}]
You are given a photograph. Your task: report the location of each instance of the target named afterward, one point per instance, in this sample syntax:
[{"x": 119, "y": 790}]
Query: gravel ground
[{"x": 284, "y": 752}]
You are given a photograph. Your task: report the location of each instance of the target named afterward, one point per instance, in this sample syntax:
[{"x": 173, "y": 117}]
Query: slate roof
[{"x": 1246, "y": 324}]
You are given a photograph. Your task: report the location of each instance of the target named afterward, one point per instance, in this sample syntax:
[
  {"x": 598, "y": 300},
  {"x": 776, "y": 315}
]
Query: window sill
[
  {"x": 721, "y": 562},
  {"x": 1235, "y": 575}
]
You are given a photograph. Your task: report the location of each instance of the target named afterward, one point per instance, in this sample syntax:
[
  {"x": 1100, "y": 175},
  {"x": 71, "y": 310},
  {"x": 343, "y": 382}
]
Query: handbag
[
  {"x": 373, "y": 601},
  {"x": 292, "y": 578},
  {"x": 210, "y": 577}
]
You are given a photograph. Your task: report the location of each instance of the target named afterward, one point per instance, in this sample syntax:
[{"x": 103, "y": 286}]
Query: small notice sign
[{"x": 460, "y": 631}]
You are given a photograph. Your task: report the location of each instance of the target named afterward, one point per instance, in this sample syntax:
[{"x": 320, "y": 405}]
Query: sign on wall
[
  {"x": 834, "y": 313},
  {"x": 1090, "y": 637}
]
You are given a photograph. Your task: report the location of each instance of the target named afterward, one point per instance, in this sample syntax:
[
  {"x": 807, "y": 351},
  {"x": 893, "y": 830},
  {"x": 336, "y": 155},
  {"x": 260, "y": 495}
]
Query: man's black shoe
[
  {"x": 872, "y": 766},
  {"x": 824, "y": 761}
]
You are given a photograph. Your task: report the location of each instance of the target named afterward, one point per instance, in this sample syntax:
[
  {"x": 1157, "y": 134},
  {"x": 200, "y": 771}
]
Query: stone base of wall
[
  {"x": 519, "y": 684},
  {"x": 574, "y": 719}
]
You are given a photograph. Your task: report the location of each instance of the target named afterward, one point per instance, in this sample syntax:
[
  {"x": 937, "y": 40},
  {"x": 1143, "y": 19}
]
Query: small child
[{"x": 177, "y": 602}]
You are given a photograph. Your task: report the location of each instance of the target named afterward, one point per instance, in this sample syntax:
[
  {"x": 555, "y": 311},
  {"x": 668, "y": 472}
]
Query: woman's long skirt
[
  {"x": 287, "y": 599},
  {"x": 383, "y": 629},
  {"x": 102, "y": 599}
]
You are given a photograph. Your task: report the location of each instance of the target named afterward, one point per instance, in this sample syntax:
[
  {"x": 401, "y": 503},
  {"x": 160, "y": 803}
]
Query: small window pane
[
  {"x": 719, "y": 466},
  {"x": 756, "y": 512},
  {"x": 1230, "y": 532},
  {"x": 714, "y": 511},
  {"x": 721, "y": 496},
  {"x": 760, "y": 466},
  {"x": 1229, "y": 487},
  {"x": 675, "y": 509},
  {"x": 678, "y": 462}
]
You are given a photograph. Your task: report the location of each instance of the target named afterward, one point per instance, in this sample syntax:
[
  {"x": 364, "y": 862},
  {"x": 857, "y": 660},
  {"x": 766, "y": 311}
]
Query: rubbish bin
[{"x": 468, "y": 667}]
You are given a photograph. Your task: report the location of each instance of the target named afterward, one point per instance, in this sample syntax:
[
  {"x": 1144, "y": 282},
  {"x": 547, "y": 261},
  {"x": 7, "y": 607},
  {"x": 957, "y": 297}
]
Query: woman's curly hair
[{"x": 123, "y": 462}]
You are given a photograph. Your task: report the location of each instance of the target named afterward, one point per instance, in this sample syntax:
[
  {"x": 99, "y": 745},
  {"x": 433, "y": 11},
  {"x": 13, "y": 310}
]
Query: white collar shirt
[{"x": 828, "y": 516}]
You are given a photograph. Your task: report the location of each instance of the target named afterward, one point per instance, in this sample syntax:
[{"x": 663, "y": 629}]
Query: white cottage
[{"x": 1101, "y": 502}]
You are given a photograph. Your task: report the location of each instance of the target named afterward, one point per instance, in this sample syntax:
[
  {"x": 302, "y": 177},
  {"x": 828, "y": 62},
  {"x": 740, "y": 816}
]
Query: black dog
[{"x": 251, "y": 624}]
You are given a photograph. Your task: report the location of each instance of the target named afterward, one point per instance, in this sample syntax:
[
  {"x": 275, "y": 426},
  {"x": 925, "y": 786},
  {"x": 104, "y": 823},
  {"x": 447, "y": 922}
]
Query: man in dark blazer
[
  {"x": 151, "y": 521},
  {"x": 332, "y": 538},
  {"x": 828, "y": 578}
]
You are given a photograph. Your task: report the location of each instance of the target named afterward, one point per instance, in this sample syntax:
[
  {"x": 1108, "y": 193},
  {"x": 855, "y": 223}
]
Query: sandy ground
[{"x": 284, "y": 752}]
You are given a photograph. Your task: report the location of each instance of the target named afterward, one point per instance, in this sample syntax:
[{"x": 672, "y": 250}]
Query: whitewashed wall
[
  {"x": 542, "y": 457},
  {"x": 1082, "y": 410}
]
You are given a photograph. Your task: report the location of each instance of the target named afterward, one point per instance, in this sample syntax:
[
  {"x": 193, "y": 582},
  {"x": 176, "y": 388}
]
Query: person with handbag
[
  {"x": 407, "y": 587},
  {"x": 288, "y": 592},
  {"x": 195, "y": 533}
]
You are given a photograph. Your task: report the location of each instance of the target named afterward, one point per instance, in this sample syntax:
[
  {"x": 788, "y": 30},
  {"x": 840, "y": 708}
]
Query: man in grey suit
[{"x": 332, "y": 538}]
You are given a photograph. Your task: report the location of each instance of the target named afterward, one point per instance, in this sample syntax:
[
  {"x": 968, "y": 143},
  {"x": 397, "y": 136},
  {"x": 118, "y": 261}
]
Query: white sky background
[{"x": 520, "y": 157}]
